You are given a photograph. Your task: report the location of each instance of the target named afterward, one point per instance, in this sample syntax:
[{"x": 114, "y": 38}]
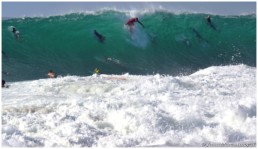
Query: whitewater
[
  {"x": 212, "y": 105},
  {"x": 176, "y": 82}
]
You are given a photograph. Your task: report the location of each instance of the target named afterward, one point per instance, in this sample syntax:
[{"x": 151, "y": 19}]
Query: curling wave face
[{"x": 169, "y": 44}]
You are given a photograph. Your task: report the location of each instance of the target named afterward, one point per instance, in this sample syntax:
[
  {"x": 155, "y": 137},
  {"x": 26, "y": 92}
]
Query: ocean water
[
  {"x": 176, "y": 82},
  {"x": 170, "y": 44},
  {"x": 213, "y": 105}
]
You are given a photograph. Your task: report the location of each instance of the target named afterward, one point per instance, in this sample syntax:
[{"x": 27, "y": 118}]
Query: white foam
[
  {"x": 216, "y": 105},
  {"x": 134, "y": 12}
]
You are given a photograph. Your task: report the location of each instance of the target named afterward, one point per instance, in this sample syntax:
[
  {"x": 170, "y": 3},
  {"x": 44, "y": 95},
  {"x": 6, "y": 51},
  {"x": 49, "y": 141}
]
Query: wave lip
[{"x": 138, "y": 8}]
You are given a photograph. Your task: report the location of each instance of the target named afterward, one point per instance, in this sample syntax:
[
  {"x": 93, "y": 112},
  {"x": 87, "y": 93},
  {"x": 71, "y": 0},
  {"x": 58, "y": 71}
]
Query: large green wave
[{"x": 170, "y": 44}]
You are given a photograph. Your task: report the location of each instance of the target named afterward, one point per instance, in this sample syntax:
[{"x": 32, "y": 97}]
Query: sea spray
[{"x": 214, "y": 105}]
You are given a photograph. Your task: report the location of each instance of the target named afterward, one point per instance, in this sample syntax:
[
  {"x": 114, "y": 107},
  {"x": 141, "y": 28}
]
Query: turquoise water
[{"x": 171, "y": 44}]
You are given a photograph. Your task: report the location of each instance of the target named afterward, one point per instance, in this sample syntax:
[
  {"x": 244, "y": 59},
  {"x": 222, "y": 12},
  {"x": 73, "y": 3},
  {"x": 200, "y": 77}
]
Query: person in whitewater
[
  {"x": 51, "y": 74},
  {"x": 97, "y": 71},
  {"x": 100, "y": 37},
  {"x": 131, "y": 22},
  {"x": 3, "y": 83}
]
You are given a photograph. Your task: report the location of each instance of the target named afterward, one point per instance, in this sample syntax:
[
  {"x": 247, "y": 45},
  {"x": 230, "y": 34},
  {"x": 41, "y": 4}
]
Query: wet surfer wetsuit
[{"x": 131, "y": 21}]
